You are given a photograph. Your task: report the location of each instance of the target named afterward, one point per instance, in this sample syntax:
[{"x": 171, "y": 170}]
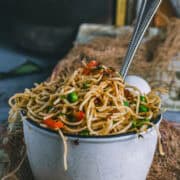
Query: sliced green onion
[
  {"x": 139, "y": 123},
  {"x": 126, "y": 103},
  {"x": 134, "y": 123},
  {"x": 142, "y": 98},
  {"x": 84, "y": 132},
  {"x": 143, "y": 108},
  {"x": 86, "y": 85}
]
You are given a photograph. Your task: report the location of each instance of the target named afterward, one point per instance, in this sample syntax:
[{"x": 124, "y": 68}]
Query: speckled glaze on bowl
[{"x": 117, "y": 157}]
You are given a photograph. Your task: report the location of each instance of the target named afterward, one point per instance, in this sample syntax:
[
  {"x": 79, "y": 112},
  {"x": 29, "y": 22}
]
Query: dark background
[{"x": 35, "y": 34}]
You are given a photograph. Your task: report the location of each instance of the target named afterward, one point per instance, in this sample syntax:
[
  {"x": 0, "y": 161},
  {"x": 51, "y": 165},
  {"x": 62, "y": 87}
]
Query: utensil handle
[{"x": 146, "y": 13}]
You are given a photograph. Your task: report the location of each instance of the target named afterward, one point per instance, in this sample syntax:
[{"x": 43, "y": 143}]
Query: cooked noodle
[{"x": 102, "y": 101}]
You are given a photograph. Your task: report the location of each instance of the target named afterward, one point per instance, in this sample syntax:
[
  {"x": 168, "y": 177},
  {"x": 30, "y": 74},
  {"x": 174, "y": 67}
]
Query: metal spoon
[{"x": 146, "y": 13}]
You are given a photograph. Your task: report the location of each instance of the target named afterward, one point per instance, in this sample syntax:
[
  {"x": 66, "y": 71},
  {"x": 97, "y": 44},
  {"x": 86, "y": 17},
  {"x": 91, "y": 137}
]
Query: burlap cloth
[{"x": 152, "y": 57}]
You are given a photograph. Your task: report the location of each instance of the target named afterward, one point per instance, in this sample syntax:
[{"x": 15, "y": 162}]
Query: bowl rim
[{"x": 105, "y": 137}]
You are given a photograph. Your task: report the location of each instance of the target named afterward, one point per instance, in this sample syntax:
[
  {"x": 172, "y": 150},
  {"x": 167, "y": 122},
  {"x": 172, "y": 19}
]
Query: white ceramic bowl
[{"x": 119, "y": 157}]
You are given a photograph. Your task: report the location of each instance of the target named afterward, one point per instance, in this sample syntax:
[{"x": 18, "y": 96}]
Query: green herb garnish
[
  {"x": 139, "y": 123},
  {"x": 84, "y": 132},
  {"x": 126, "y": 103},
  {"x": 86, "y": 85},
  {"x": 143, "y": 108},
  {"x": 142, "y": 98}
]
